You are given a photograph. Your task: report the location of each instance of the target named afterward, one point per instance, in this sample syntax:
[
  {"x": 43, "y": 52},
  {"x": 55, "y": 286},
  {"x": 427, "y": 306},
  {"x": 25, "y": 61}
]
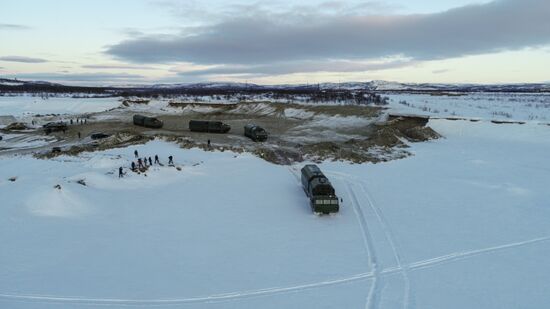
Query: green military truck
[
  {"x": 320, "y": 191},
  {"x": 208, "y": 126},
  {"x": 148, "y": 122},
  {"x": 255, "y": 133},
  {"x": 55, "y": 127}
]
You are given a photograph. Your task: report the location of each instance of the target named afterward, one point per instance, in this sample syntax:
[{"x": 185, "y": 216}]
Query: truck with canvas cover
[
  {"x": 55, "y": 127},
  {"x": 255, "y": 133},
  {"x": 208, "y": 126},
  {"x": 320, "y": 191},
  {"x": 148, "y": 122}
]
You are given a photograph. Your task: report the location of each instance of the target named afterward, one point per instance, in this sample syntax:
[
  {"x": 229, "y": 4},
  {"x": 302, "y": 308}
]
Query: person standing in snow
[
  {"x": 120, "y": 173},
  {"x": 136, "y": 153},
  {"x": 150, "y": 161},
  {"x": 133, "y": 166},
  {"x": 157, "y": 159},
  {"x": 145, "y": 162},
  {"x": 170, "y": 160},
  {"x": 140, "y": 163},
  {"x": 208, "y": 143}
]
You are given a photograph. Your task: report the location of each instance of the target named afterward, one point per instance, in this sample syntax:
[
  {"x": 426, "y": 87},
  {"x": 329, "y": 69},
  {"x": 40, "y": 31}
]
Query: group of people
[
  {"x": 143, "y": 163},
  {"x": 79, "y": 121}
]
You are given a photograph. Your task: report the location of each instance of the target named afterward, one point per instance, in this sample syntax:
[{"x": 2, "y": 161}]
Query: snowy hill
[
  {"x": 383, "y": 86},
  {"x": 17, "y": 82}
]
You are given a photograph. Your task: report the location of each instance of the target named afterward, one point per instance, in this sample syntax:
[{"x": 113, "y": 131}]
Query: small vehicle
[
  {"x": 99, "y": 135},
  {"x": 148, "y": 122},
  {"x": 255, "y": 133},
  {"x": 320, "y": 191},
  {"x": 208, "y": 126},
  {"x": 55, "y": 127}
]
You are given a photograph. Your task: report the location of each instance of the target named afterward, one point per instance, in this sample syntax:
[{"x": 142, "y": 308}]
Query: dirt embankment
[
  {"x": 296, "y": 132},
  {"x": 117, "y": 140}
]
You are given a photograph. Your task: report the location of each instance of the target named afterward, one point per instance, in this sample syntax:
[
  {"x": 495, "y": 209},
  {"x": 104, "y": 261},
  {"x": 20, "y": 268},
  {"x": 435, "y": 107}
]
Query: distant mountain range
[{"x": 14, "y": 85}]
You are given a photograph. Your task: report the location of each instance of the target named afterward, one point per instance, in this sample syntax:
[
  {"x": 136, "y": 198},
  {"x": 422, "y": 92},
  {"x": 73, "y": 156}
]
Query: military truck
[
  {"x": 208, "y": 126},
  {"x": 320, "y": 191},
  {"x": 148, "y": 122},
  {"x": 99, "y": 135},
  {"x": 255, "y": 133},
  {"x": 55, "y": 127}
]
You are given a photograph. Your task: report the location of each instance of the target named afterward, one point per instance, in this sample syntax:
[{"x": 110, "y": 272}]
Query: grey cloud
[
  {"x": 266, "y": 38},
  {"x": 117, "y": 66},
  {"x": 440, "y": 71},
  {"x": 13, "y": 27},
  {"x": 22, "y": 59},
  {"x": 78, "y": 77},
  {"x": 299, "y": 67}
]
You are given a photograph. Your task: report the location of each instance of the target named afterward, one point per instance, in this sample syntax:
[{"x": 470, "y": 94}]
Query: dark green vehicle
[
  {"x": 208, "y": 126},
  {"x": 255, "y": 133},
  {"x": 55, "y": 127},
  {"x": 148, "y": 122},
  {"x": 320, "y": 191}
]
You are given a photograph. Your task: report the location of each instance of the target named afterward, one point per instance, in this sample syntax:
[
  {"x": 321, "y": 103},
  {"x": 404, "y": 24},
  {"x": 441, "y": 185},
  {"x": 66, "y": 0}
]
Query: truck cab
[
  {"x": 320, "y": 191},
  {"x": 255, "y": 133}
]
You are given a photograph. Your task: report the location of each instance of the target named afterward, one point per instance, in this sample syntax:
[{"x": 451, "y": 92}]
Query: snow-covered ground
[
  {"x": 27, "y": 105},
  {"x": 488, "y": 106},
  {"x": 461, "y": 224},
  {"x": 24, "y": 141}
]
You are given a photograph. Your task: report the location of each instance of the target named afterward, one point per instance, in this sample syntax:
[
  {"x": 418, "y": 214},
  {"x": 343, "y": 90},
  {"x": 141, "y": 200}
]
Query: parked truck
[
  {"x": 255, "y": 133},
  {"x": 320, "y": 191},
  {"x": 55, "y": 127},
  {"x": 148, "y": 122},
  {"x": 208, "y": 126}
]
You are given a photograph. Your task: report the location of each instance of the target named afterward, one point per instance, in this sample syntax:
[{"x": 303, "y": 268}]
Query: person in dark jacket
[
  {"x": 136, "y": 153},
  {"x": 171, "y": 160},
  {"x": 150, "y": 161},
  {"x": 120, "y": 173},
  {"x": 157, "y": 159},
  {"x": 133, "y": 166},
  {"x": 140, "y": 163}
]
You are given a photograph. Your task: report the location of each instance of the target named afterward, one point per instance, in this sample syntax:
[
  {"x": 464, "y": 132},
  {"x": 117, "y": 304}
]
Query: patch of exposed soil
[
  {"x": 118, "y": 140},
  {"x": 297, "y": 132},
  {"x": 16, "y": 126}
]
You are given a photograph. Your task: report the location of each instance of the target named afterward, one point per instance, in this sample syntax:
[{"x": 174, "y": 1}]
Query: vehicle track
[
  {"x": 389, "y": 235},
  {"x": 419, "y": 265},
  {"x": 429, "y": 263},
  {"x": 181, "y": 301},
  {"x": 375, "y": 290}
]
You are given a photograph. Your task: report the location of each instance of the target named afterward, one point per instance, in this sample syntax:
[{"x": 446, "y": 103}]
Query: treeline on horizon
[{"x": 313, "y": 91}]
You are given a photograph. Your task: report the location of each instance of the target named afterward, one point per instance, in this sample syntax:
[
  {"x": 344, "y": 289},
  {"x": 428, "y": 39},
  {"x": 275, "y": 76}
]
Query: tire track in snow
[
  {"x": 419, "y": 265},
  {"x": 389, "y": 235},
  {"x": 181, "y": 301},
  {"x": 375, "y": 290},
  {"x": 294, "y": 173},
  {"x": 429, "y": 263}
]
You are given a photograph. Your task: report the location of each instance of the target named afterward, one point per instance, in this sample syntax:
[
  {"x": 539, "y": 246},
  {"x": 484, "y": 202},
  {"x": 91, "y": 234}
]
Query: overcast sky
[{"x": 268, "y": 42}]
